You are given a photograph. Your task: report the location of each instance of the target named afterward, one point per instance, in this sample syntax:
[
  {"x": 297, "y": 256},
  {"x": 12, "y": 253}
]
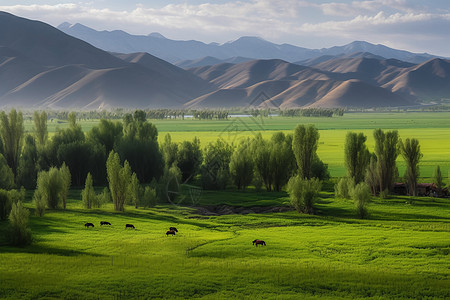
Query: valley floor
[{"x": 401, "y": 251}]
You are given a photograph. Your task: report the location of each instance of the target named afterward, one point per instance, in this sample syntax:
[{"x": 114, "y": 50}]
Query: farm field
[
  {"x": 400, "y": 252},
  {"x": 431, "y": 128}
]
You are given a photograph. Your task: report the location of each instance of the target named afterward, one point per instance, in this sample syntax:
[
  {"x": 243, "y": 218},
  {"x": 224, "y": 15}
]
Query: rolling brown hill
[
  {"x": 286, "y": 85},
  {"x": 246, "y": 74},
  {"x": 42, "y": 67},
  {"x": 424, "y": 82}
]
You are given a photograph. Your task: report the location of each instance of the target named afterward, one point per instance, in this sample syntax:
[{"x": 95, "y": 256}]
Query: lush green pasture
[
  {"x": 432, "y": 130},
  {"x": 400, "y": 252}
]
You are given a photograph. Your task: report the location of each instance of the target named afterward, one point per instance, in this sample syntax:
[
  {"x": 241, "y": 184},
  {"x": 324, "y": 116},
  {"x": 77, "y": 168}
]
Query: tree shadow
[{"x": 43, "y": 249}]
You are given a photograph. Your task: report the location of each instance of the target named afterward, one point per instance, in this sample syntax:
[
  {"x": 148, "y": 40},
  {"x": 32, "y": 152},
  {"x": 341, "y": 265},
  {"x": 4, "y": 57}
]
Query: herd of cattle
[{"x": 171, "y": 231}]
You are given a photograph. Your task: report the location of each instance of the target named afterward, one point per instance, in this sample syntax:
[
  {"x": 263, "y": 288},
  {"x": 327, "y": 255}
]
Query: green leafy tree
[
  {"x": 5, "y": 204},
  {"x": 134, "y": 191},
  {"x": 66, "y": 180},
  {"x": 6, "y": 174},
  {"x": 261, "y": 156},
  {"x": 12, "y": 131},
  {"x": 386, "y": 150},
  {"x": 88, "y": 193},
  {"x": 241, "y": 165},
  {"x": 40, "y": 128},
  {"x": 149, "y": 197},
  {"x": 215, "y": 169},
  {"x": 40, "y": 202},
  {"x": 304, "y": 145},
  {"x": 27, "y": 170},
  {"x": 20, "y": 234},
  {"x": 410, "y": 150},
  {"x": 169, "y": 151},
  {"x": 372, "y": 177},
  {"x": 106, "y": 133},
  {"x": 357, "y": 156},
  {"x": 52, "y": 187},
  {"x": 282, "y": 160},
  {"x": 303, "y": 193},
  {"x": 361, "y": 196},
  {"x": 139, "y": 146},
  {"x": 319, "y": 169},
  {"x": 119, "y": 178},
  {"x": 438, "y": 179},
  {"x": 189, "y": 159},
  {"x": 343, "y": 187}
]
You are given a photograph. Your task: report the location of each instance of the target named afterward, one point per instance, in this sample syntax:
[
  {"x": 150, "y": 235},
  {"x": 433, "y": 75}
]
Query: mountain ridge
[{"x": 246, "y": 46}]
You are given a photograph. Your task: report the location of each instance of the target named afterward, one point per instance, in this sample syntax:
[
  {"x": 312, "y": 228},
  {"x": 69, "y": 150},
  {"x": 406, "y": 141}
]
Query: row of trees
[
  {"x": 375, "y": 173},
  {"x": 379, "y": 169},
  {"x": 312, "y": 112}
]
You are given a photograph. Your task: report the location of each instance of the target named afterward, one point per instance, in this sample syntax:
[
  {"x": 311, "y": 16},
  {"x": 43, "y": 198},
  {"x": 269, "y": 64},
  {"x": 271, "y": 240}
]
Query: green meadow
[{"x": 401, "y": 251}]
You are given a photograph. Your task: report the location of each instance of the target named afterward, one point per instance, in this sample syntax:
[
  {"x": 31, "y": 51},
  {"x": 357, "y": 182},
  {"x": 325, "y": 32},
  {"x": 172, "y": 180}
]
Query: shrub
[
  {"x": 39, "y": 201},
  {"x": 384, "y": 194},
  {"x": 303, "y": 193},
  {"x": 344, "y": 187},
  {"x": 19, "y": 234},
  {"x": 361, "y": 196},
  {"x": 149, "y": 197},
  {"x": 5, "y": 204},
  {"x": 88, "y": 194},
  {"x": 53, "y": 186}
]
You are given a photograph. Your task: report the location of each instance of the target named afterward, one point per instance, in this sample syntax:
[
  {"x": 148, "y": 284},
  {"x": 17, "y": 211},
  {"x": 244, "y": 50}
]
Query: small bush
[
  {"x": 384, "y": 194},
  {"x": 19, "y": 233},
  {"x": 88, "y": 195},
  {"x": 343, "y": 187},
  {"x": 103, "y": 198},
  {"x": 149, "y": 197},
  {"x": 5, "y": 204},
  {"x": 40, "y": 202},
  {"x": 303, "y": 193},
  {"x": 361, "y": 196}
]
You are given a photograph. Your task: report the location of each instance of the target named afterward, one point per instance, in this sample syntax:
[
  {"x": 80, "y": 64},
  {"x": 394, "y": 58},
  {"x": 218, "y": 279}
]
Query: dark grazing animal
[
  {"x": 129, "y": 226},
  {"x": 104, "y": 223},
  {"x": 170, "y": 232},
  {"x": 259, "y": 242},
  {"x": 87, "y": 225},
  {"x": 173, "y": 229}
]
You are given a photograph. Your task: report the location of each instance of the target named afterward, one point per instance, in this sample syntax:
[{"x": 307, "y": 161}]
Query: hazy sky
[{"x": 414, "y": 25}]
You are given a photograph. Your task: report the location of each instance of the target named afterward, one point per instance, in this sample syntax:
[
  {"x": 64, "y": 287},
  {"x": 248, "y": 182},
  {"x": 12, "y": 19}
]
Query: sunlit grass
[{"x": 400, "y": 252}]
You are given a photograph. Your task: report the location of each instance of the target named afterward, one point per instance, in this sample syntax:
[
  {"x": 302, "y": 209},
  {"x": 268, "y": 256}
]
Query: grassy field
[
  {"x": 400, "y": 252},
  {"x": 432, "y": 130}
]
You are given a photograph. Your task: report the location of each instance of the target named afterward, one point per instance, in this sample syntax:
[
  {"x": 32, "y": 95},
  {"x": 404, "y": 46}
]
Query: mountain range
[
  {"x": 245, "y": 47},
  {"x": 43, "y": 67}
]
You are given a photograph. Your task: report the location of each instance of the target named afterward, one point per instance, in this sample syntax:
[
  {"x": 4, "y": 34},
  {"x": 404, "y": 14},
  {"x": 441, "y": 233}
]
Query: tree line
[{"x": 126, "y": 158}]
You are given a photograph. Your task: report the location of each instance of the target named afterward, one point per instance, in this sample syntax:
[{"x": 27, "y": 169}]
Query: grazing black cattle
[
  {"x": 87, "y": 225},
  {"x": 129, "y": 226},
  {"x": 173, "y": 229},
  {"x": 104, "y": 223},
  {"x": 170, "y": 232},
  {"x": 259, "y": 242}
]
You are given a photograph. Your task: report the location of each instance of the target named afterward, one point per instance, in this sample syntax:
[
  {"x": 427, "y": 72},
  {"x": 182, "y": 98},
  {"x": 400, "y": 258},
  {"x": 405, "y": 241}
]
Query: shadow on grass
[{"x": 42, "y": 249}]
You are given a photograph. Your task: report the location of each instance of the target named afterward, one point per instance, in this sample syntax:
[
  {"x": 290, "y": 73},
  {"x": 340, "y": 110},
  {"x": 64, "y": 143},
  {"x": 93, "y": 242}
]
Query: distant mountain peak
[
  {"x": 64, "y": 25},
  {"x": 157, "y": 35},
  {"x": 247, "y": 39}
]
